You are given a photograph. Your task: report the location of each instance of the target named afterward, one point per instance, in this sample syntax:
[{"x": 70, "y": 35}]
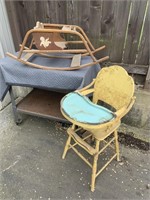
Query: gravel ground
[{"x": 31, "y": 166}]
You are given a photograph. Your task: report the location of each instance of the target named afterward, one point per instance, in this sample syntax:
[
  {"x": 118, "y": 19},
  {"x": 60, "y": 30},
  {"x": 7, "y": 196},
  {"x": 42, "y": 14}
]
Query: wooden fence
[{"x": 122, "y": 25}]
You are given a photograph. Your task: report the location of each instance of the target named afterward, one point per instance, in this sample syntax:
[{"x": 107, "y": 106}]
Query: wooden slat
[
  {"x": 40, "y": 8},
  {"x": 27, "y": 56},
  {"x": 76, "y": 60},
  {"x": 22, "y": 18},
  {"x": 84, "y": 15},
  {"x": 72, "y": 18},
  {"x": 120, "y": 25},
  {"x": 51, "y": 11},
  {"x": 72, "y": 12},
  {"x": 134, "y": 30},
  {"x": 13, "y": 21},
  {"x": 62, "y": 14},
  {"x": 94, "y": 21},
  {"x": 81, "y": 142},
  {"x": 107, "y": 25},
  {"x": 132, "y": 68},
  {"x": 147, "y": 81},
  {"x": 30, "y": 8},
  {"x": 144, "y": 54}
]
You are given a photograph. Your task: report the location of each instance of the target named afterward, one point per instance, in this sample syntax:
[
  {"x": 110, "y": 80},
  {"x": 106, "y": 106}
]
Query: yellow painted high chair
[{"x": 112, "y": 86}]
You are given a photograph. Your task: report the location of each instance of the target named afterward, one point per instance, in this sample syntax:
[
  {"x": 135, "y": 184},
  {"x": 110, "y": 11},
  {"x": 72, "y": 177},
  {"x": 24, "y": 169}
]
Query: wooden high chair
[{"x": 112, "y": 86}]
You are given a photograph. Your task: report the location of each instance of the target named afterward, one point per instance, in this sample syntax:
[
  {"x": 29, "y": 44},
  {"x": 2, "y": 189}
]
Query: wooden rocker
[
  {"x": 112, "y": 86},
  {"x": 49, "y": 40}
]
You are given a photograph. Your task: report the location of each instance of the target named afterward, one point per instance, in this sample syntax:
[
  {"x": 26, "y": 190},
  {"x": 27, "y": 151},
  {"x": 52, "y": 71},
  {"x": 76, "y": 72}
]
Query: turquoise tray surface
[{"x": 81, "y": 109}]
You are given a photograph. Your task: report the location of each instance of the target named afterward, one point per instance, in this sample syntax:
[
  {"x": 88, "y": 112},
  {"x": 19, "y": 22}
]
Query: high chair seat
[{"x": 81, "y": 109}]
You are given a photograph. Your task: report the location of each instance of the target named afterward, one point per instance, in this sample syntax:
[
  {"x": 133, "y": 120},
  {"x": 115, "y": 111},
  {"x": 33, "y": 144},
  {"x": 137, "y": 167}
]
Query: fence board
[
  {"x": 133, "y": 68},
  {"x": 143, "y": 54},
  {"x": 14, "y": 25},
  {"x": 147, "y": 80},
  {"x": 40, "y": 9},
  {"x": 107, "y": 25},
  {"x": 72, "y": 12},
  {"x": 62, "y": 12},
  {"x": 84, "y": 15},
  {"x": 95, "y": 21},
  {"x": 52, "y": 11},
  {"x": 120, "y": 25},
  {"x": 134, "y": 30},
  {"x": 22, "y": 19},
  {"x": 30, "y": 13}
]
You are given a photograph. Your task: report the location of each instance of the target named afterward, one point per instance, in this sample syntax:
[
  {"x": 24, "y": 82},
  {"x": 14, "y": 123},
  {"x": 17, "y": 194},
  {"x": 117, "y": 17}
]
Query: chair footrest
[{"x": 81, "y": 142}]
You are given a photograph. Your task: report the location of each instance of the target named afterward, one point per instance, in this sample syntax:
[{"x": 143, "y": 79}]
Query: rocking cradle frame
[{"x": 55, "y": 30}]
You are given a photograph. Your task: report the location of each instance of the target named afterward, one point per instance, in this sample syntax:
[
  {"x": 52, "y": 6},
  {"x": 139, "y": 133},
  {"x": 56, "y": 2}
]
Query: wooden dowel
[
  {"x": 96, "y": 50},
  {"x": 50, "y": 56},
  {"x": 109, "y": 145},
  {"x": 83, "y": 139},
  {"x": 31, "y": 44},
  {"x": 81, "y": 142},
  {"x": 106, "y": 164},
  {"x": 81, "y": 156},
  {"x": 106, "y": 146},
  {"x": 98, "y": 61},
  {"x": 73, "y": 42},
  {"x": 67, "y": 57},
  {"x": 56, "y": 51}
]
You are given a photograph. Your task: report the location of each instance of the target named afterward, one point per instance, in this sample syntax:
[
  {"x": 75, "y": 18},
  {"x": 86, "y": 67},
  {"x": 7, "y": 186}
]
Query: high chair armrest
[
  {"x": 86, "y": 92},
  {"x": 123, "y": 111},
  {"x": 87, "y": 89}
]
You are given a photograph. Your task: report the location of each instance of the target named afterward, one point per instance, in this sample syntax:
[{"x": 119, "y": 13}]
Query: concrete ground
[{"x": 31, "y": 166}]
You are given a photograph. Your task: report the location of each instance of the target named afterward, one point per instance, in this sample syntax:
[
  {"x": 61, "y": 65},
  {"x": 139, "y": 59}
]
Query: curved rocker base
[{"x": 24, "y": 61}]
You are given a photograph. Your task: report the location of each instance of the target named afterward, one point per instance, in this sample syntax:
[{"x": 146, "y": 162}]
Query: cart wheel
[{"x": 18, "y": 122}]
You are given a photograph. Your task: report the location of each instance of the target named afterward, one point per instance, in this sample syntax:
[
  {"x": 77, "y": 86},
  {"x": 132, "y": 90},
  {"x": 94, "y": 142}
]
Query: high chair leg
[
  {"x": 66, "y": 147},
  {"x": 94, "y": 167},
  {"x": 117, "y": 144}
]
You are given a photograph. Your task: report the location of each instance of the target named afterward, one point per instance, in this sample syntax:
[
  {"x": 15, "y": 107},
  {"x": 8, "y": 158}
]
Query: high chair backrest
[{"x": 113, "y": 86}]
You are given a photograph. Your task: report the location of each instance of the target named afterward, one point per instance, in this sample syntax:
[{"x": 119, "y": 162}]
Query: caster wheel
[{"x": 18, "y": 122}]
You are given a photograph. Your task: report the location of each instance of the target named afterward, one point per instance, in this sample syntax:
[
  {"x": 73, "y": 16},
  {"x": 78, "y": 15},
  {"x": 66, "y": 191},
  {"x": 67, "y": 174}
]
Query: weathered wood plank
[
  {"x": 134, "y": 30},
  {"x": 132, "y": 68},
  {"x": 51, "y": 11},
  {"x": 27, "y": 56},
  {"x": 120, "y": 25},
  {"x": 95, "y": 21},
  {"x": 147, "y": 80},
  {"x": 14, "y": 24},
  {"x": 22, "y": 18},
  {"x": 40, "y": 8},
  {"x": 84, "y": 15},
  {"x": 72, "y": 12},
  {"x": 143, "y": 53},
  {"x": 76, "y": 60},
  {"x": 62, "y": 12},
  {"x": 30, "y": 13},
  {"x": 107, "y": 24}
]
